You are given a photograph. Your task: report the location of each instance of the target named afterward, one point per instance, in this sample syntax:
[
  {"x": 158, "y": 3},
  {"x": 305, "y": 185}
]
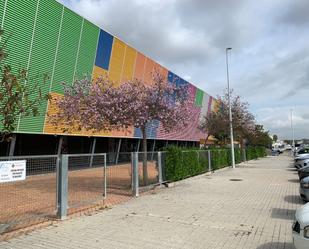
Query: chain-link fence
[
  {"x": 86, "y": 180},
  {"x": 30, "y": 201},
  {"x": 148, "y": 168},
  {"x": 54, "y": 186}
]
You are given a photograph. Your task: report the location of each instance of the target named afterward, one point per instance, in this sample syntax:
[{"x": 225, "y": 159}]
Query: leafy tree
[
  {"x": 275, "y": 138},
  {"x": 259, "y": 137},
  {"x": 216, "y": 123},
  {"x": 100, "y": 106},
  {"x": 20, "y": 95}
]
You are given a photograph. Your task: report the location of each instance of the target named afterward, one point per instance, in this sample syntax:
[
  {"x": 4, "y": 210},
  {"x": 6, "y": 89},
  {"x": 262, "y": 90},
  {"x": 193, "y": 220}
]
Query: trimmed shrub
[{"x": 181, "y": 162}]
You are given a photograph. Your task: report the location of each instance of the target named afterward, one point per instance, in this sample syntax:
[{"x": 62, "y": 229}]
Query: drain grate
[{"x": 236, "y": 180}]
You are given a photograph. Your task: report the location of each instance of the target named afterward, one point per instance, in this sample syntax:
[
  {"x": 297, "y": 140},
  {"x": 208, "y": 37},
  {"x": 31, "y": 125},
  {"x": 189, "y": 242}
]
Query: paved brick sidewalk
[{"x": 202, "y": 212}]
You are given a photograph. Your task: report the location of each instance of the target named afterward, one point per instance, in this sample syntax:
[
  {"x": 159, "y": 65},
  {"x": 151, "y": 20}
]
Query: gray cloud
[
  {"x": 270, "y": 57},
  {"x": 296, "y": 13}
]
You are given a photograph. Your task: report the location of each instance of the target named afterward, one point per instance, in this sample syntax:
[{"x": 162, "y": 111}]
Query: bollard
[
  {"x": 63, "y": 187},
  {"x": 135, "y": 175},
  {"x": 105, "y": 178},
  {"x": 160, "y": 167},
  {"x": 209, "y": 161}
]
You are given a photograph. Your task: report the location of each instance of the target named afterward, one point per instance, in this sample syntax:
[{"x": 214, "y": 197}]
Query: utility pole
[{"x": 230, "y": 108}]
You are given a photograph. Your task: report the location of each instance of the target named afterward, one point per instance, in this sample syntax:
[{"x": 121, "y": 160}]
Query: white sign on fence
[{"x": 11, "y": 171}]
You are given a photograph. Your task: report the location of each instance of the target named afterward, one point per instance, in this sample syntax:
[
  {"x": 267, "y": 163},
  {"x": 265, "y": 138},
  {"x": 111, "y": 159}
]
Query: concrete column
[
  {"x": 118, "y": 151},
  {"x": 12, "y": 145},
  {"x": 153, "y": 148},
  {"x": 93, "y": 144},
  {"x": 138, "y": 145}
]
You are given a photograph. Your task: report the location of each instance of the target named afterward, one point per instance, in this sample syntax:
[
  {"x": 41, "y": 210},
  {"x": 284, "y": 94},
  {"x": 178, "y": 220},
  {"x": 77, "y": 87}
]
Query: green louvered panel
[
  {"x": 18, "y": 23},
  {"x": 18, "y": 26},
  {"x": 199, "y": 97},
  {"x": 68, "y": 47},
  {"x": 42, "y": 57},
  {"x": 87, "y": 50},
  {"x": 1, "y": 10}
]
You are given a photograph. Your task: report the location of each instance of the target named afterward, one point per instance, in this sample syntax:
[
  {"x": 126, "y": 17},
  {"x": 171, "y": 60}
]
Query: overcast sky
[{"x": 269, "y": 62}]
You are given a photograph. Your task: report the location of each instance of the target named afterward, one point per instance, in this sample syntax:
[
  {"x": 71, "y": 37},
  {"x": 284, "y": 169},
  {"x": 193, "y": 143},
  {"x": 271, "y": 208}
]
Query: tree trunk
[{"x": 145, "y": 170}]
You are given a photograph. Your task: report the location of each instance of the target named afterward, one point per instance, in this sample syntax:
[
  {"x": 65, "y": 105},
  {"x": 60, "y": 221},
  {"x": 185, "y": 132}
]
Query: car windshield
[{"x": 303, "y": 151}]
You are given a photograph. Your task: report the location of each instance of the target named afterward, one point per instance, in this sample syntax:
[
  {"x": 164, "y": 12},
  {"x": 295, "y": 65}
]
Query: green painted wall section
[
  {"x": 18, "y": 26},
  {"x": 67, "y": 51},
  {"x": 42, "y": 58},
  {"x": 87, "y": 50},
  {"x": 73, "y": 59},
  {"x": 1, "y": 10},
  {"x": 199, "y": 97}
]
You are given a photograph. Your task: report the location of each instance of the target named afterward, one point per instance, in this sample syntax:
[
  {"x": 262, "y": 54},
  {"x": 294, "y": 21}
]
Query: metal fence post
[
  {"x": 209, "y": 161},
  {"x": 63, "y": 187},
  {"x": 198, "y": 157},
  {"x": 105, "y": 183},
  {"x": 244, "y": 155},
  {"x": 135, "y": 175},
  {"x": 160, "y": 167}
]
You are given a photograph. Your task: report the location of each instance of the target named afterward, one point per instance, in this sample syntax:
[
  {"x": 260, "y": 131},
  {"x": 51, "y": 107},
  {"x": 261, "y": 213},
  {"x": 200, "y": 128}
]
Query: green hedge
[
  {"x": 255, "y": 152},
  {"x": 181, "y": 162}
]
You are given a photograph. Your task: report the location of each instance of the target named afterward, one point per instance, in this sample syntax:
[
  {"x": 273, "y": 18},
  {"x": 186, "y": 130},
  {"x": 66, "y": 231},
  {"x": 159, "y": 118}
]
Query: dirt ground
[{"x": 33, "y": 200}]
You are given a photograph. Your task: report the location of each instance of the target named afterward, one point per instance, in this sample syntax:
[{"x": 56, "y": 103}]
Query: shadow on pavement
[
  {"x": 277, "y": 245},
  {"x": 294, "y": 180},
  {"x": 291, "y": 169},
  {"x": 295, "y": 199},
  {"x": 283, "y": 213}
]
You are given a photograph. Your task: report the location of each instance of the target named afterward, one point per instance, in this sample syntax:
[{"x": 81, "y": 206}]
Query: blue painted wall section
[
  {"x": 104, "y": 50},
  {"x": 151, "y": 130}
]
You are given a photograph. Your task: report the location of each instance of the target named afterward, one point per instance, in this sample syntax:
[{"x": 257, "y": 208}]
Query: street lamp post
[
  {"x": 230, "y": 107},
  {"x": 292, "y": 127}
]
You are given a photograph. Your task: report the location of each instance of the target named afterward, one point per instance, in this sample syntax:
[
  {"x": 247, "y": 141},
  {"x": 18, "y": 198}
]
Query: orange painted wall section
[
  {"x": 116, "y": 61},
  {"x": 129, "y": 63},
  {"x": 139, "y": 66},
  {"x": 149, "y": 69}
]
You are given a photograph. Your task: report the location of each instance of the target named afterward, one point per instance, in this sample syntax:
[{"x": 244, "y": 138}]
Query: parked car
[
  {"x": 288, "y": 147},
  {"x": 303, "y": 172},
  {"x": 302, "y": 162},
  {"x": 304, "y": 189},
  {"x": 300, "y": 228},
  {"x": 302, "y": 151}
]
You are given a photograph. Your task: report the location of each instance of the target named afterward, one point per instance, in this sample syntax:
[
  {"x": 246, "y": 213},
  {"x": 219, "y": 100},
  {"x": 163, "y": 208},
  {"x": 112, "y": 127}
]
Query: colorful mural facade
[{"x": 46, "y": 37}]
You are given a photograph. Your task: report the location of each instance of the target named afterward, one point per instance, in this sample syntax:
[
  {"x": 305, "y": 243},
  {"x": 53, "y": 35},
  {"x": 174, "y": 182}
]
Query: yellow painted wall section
[
  {"x": 50, "y": 128},
  {"x": 214, "y": 105},
  {"x": 98, "y": 72},
  {"x": 129, "y": 64},
  {"x": 116, "y": 61}
]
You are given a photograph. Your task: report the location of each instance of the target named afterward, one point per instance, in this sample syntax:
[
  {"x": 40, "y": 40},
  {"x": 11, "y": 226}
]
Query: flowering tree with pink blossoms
[
  {"x": 100, "y": 106},
  {"x": 216, "y": 123}
]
